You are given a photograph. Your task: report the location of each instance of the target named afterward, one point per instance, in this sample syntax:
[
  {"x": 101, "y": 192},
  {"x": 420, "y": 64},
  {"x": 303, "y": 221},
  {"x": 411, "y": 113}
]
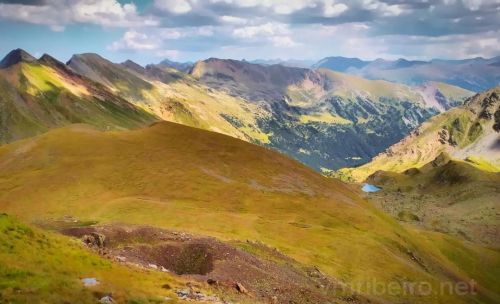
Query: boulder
[
  {"x": 240, "y": 288},
  {"x": 94, "y": 240}
]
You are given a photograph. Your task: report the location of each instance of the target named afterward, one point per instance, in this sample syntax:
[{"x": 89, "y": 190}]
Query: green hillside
[
  {"x": 41, "y": 267},
  {"x": 38, "y": 95},
  {"x": 186, "y": 179}
]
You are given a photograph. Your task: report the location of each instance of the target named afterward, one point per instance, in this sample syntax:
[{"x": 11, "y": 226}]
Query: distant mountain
[
  {"x": 323, "y": 118},
  {"x": 131, "y": 65},
  {"x": 37, "y": 95},
  {"x": 470, "y": 133},
  {"x": 477, "y": 74},
  {"x": 180, "y": 66},
  {"x": 340, "y": 64},
  {"x": 294, "y": 63}
]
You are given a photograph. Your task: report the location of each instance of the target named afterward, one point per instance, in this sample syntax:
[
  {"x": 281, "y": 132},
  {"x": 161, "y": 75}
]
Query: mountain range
[
  {"x": 344, "y": 118},
  {"x": 476, "y": 74}
]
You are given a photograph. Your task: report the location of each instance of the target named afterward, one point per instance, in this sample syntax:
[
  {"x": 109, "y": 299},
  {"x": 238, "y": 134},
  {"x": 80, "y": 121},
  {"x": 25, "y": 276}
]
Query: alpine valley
[{"x": 226, "y": 181}]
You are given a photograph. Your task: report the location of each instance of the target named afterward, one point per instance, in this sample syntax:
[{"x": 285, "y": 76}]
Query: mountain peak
[
  {"x": 86, "y": 57},
  {"x": 14, "y": 57},
  {"x": 50, "y": 61},
  {"x": 134, "y": 66}
]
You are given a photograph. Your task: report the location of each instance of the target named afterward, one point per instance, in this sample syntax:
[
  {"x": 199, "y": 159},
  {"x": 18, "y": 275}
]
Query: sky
[{"x": 189, "y": 30}]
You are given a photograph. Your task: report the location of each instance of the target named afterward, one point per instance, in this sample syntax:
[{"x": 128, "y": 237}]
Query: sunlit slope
[
  {"x": 178, "y": 177},
  {"x": 469, "y": 132},
  {"x": 42, "y": 267},
  {"x": 43, "y": 94},
  {"x": 174, "y": 96}
]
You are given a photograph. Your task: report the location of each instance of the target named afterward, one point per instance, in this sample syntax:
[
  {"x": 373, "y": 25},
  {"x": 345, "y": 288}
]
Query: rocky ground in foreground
[{"x": 250, "y": 270}]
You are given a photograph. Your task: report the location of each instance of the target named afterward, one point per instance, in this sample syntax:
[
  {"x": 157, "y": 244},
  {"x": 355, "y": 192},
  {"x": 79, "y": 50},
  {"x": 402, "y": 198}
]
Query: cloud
[
  {"x": 283, "y": 7},
  {"x": 25, "y": 2},
  {"x": 276, "y": 33},
  {"x": 333, "y": 9},
  {"x": 57, "y": 14},
  {"x": 160, "y": 41},
  {"x": 264, "y": 28},
  {"x": 174, "y": 6},
  {"x": 233, "y": 20},
  {"x": 136, "y": 41},
  {"x": 283, "y": 41}
]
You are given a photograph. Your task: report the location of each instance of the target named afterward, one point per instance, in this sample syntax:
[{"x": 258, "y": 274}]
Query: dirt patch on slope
[{"x": 249, "y": 269}]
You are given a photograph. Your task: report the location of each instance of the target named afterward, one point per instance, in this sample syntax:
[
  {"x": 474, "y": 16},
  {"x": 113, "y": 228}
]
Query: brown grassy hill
[{"x": 187, "y": 179}]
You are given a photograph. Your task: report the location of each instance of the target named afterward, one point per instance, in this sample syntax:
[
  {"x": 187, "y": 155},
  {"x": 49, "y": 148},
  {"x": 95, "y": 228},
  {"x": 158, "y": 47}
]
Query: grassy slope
[
  {"x": 453, "y": 197},
  {"x": 38, "y": 97},
  {"x": 183, "y": 178},
  {"x": 41, "y": 267}
]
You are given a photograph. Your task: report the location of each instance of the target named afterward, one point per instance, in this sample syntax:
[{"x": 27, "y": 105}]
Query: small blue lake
[{"x": 370, "y": 188}]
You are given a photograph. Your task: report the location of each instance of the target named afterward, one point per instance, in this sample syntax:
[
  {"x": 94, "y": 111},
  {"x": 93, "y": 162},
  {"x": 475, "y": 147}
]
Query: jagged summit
[{"x": 14, "y": 57}]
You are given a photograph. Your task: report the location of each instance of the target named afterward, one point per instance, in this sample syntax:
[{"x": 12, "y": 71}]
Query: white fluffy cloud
[
  {"x": 159, "y": 41},
  {"x": 276, "y": 33},
  {"x": 263, "y": 30},
  {"x": 133, "y": 40},
  {"x": 277, "y": 6},
  {"x": 386, "y": 10},
  {"x": 333, "y": 9},
  {"x": 174, "y": 6},
  {"x": 233, "y": 20},
  {"x": 298, "y": 28},
  {"x": 59, "y": 13}
]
